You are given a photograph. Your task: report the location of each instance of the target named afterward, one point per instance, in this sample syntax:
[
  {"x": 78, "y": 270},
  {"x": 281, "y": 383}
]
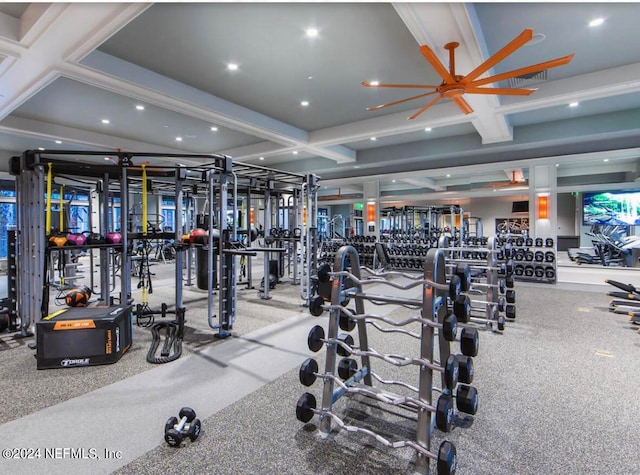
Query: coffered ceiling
[{"x": 159, "y": 74}]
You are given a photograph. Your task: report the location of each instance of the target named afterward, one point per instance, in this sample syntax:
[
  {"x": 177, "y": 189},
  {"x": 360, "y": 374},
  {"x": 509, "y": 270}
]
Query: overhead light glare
[
  {"x": 40, "y": 148},
  {"x": 261, "y": 158},
  {"x": 448, "y": 175},
  {"x": 605, "y": 160},
  {"x": 427, "y": 129},
  {"x": 295, "y": 152},
  {"x": 596, "y": 22},
  {"x": 356, "y": 166},
  {"x": 374, "y": 83},
  {"x": 140, "y": 107},
  {"x": 232, "y": 67},
  {"x": 304, "y": 103},
  {"x": 311, "y": 32},
  {"x": 393, "y": 181},
  {"x": 574, "y": 104},
  {"x": 107, "y": 158},
  {"x": 557, "y": 164},
  {"x": 58, "y": 142},
  {"x": 105, "y": 121},
  {"x": 178, "y": 139},
  {"x": 373, "y": 139},
  {"x": 214, "y": 129}
]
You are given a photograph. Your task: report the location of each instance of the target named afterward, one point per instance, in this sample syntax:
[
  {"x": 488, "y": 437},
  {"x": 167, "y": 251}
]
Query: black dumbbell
[
  {"x": 548, "y": 242},
  {"x": 539, "y": 242},
  {"x": 549, "y": 256},
  {"x": 188, "y": 426},
  {"x": 316, "y": 339},
  {"x": 469, "y": 341}
]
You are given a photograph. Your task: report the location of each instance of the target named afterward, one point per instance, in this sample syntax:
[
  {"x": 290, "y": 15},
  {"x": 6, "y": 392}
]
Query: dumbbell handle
[{"x": 181, "y": 424}]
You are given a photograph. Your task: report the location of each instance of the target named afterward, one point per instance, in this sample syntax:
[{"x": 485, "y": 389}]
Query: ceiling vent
[{"x": 529, "y": 79}]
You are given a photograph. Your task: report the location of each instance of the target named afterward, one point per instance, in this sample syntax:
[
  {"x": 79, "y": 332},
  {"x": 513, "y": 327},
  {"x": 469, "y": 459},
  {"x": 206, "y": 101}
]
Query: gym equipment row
[
  {"x": 438, "y": 329},
  {"x": 612, "y": 245},
  {"x": 625, "y": 301}
]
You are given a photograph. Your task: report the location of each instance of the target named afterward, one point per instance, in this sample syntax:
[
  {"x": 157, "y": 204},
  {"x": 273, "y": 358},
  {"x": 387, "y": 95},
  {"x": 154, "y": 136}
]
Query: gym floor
[{"x": 557, "y": 396}]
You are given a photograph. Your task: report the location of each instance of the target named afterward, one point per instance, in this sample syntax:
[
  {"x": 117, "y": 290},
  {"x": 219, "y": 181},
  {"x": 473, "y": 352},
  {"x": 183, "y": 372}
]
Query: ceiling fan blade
[
  {"x": 505, "y": 91},
  {"x": 403, "y": 86},
  {"x": 436, "y": 63},
  {"x": 462, "y": 104},
  {"x": 425, "y": 107},
  {"x": 534, "y": 68},
  {"x": 509, "y": 48},
  {"x": 395, "y": 103}
]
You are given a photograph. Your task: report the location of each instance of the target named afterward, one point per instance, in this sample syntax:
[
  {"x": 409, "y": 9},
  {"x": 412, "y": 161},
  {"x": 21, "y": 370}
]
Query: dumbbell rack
[
  {"x": 433, "y": 305},
  {"x": 534, "y": 259},
  {"x": 488, "y": 259}
]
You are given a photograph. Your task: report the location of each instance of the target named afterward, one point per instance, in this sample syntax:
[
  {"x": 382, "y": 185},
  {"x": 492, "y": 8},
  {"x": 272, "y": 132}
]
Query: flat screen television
[{"x": 613, "y": 207}]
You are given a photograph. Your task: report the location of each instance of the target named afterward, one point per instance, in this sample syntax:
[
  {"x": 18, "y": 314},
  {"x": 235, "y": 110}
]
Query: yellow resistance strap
[{"x": 48, "y": 210}]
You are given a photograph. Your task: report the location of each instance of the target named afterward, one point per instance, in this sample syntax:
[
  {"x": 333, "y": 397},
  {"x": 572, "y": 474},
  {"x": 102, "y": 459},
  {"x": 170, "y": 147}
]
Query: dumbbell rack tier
[
  {"x": 534, "y": 259},
  {"x": 483, "y": 297},
  {"x": 433, "y": 306}
]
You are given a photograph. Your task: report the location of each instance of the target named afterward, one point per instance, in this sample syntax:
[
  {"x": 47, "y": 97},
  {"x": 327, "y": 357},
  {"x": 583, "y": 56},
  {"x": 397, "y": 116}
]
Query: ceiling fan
[
  {"x": 516, "y": 178},
  {"x": 454, "y": 86}
]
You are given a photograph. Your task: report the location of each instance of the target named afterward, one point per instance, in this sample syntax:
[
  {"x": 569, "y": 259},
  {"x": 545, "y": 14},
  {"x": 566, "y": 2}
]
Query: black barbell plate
[
  {"x": 307, "y": 372},
  {"x": 323, "y": 273},
  {"x": 304, "y": 407}
]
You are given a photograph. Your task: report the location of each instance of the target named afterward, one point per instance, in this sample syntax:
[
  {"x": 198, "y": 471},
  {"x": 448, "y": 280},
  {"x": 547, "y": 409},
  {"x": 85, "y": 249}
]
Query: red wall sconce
[
  {"x": 543, "y": 207},
  {"x": 371, "y": 212}
]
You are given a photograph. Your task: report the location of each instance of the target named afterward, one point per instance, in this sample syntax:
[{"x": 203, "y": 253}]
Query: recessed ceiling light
[
  {"x": 373, "y": 139},
  {"x": 304, "y": 103},
  {"x": 107, "y": 158},
  {"x": 214, "y": 129},
  {"x": 140, "y": 107},
  {"x": 261, "y": 158},
  {"x": 448, "y": 175},
  {"x": 295, "y": 152},
  {"x": 356, "y": 166},
  {"x": 605, "y": 160},
  {"x": 427, "y": 129},
  {"x": 574, "y": 104},
  {"x": 105, "y": 121},
  {"x": 232, "y": 67},
  {"x": 309, "y": 77},
  {"x": 557, "y": 164},
  {"x": 596, "y": 22},
  {"x": 374, "y": 83},
  {"x": 311, "y": 32},
  {"x": 393, "y": 181},
  {"x": 58, "y": 142},
  {"x": 178, "y": 139},
  {"x": 40, "y": 148}
]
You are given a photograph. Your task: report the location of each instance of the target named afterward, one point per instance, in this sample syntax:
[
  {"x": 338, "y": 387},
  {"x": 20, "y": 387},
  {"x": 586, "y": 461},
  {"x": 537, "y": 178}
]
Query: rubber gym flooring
[{"x": 558, "y": 395}]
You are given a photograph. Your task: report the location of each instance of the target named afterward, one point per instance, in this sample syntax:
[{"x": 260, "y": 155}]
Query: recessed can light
[
  {"x": 356, "y": 166},
  {"x": 448, "y": 175},
  {"x": 311, "y": 32},
  {"x": 374, "y": 83},
  {"x": 373, "y": 139},
  {"x": 427, "y": 129},
  {"x": 232, "y": 67},
  {"x": 295, "y": 152},
  {"x": 214, "y": 129},
  {"x": 304, "y": 103},
  {"x": 107, "y": 158},
  {"x": 58, "y": 142},
  {"x": 40, "y": 148},
  {"x": 574, "y": 104},
  {"x": 605, "y": 160},
  {"x": 261, "y": 158},
  {"x": 105, "y": 121},
  {"x": 140, "y": 107},
  {"x": 393, "y": 181},
  {"x": 178, "y": 139},
  {"x": 596, "y": 22}
]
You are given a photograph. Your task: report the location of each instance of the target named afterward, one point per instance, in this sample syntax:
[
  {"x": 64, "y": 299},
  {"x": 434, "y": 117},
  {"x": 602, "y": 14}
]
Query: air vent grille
[{"x": 529, "y": 79}]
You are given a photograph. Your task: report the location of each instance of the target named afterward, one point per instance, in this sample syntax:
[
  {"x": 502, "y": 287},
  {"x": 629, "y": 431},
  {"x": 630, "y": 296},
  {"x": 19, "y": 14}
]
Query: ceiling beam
[
  {"x": 424, "y": 182},
  {"x": 436, "y": 24},
  {"x": 52, "y": 34}
]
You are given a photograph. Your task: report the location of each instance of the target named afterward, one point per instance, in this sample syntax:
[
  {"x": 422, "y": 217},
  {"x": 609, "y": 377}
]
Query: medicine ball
[
  {"x": 78, "y": 297},
  {"x": 198, "y": 236}
]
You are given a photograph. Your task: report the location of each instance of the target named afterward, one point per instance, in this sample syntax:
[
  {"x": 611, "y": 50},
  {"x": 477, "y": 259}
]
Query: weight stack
[{"x": 202, "y": 268}]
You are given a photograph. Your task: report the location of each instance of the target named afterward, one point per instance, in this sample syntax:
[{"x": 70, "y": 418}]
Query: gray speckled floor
[{"x": 556, "y": 397}]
